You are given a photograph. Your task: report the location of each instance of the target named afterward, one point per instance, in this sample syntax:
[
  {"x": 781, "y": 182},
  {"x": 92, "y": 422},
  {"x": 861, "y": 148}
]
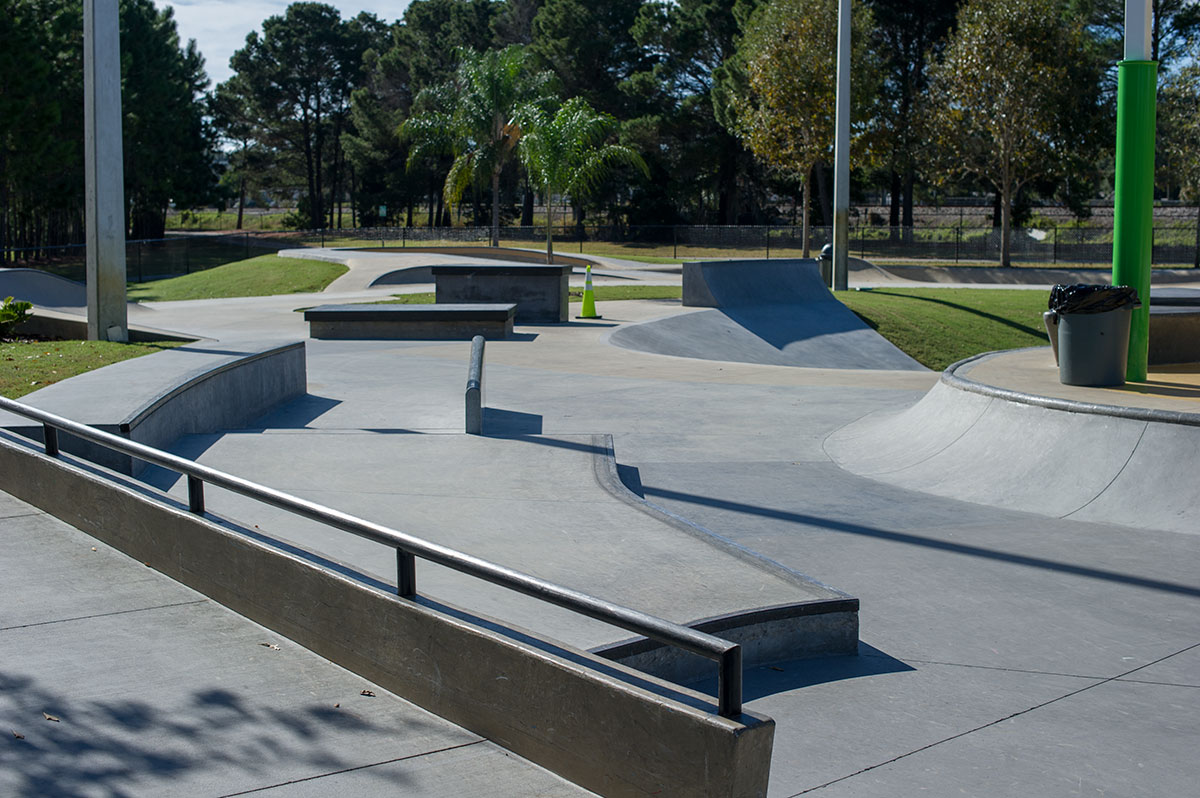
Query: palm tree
[
  {"x": 472, "y": 117},
  {"x": 566, "y": 154}
]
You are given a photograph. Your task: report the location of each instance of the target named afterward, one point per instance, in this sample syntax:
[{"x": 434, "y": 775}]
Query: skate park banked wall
[
  {"x": 1058, "y": 457},
  {"x": 602, "y": 725}
]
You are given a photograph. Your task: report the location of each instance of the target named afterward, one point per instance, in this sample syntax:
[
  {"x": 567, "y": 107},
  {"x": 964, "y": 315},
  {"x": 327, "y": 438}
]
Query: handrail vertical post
[
  {"x": 406, "y": 574},
  {"x": 195, "y": 495},
  {"x": 50, "y": 438},
  {"x": 729, "y": 683}
]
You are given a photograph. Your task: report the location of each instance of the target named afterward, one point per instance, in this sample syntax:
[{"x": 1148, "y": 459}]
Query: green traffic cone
[{"x": 589, "y": 299}]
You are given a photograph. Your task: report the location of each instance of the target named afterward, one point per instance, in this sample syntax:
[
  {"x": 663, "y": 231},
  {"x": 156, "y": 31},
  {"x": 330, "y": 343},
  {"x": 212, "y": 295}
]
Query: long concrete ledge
[
  {"x": 605, "y": 727},
  {"x": 228, "y": 390},
  {"x": 404, "y": 322}
]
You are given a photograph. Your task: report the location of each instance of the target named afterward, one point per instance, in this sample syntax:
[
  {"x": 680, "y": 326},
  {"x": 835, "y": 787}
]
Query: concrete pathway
[{"x": 115, "y": 680}]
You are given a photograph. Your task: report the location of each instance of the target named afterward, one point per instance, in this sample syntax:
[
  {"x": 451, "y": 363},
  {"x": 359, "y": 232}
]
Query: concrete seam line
[
  {"x": 1132, "y": 451},
  {"x": 1118, "y": 677},
  {"x": 952, "y": 378},
  {"x": 604, "y": 467},
  {"x": 353, "y": 769},
  {"x": 105, "y": 614},
  {"x": 876, "y": 474}
]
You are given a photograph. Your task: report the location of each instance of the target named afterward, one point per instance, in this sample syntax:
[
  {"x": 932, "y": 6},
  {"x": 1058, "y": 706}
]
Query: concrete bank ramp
[
  {"x": 550, "y": 506},
  {"x": 42, "y": 289},
  {"x": 1058, "y": 458},
  {"x": 772, "y": 312}
]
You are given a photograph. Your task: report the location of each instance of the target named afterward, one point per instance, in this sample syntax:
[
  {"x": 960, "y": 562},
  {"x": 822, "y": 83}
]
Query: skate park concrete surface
[{"x": 1037, "y": 639}]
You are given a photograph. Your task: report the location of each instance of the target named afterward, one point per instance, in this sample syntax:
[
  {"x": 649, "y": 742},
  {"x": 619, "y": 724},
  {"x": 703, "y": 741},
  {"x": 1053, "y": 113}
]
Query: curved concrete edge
[
  {"x": 222, "y": 394},
  {"x": 1057, "y": 457},
  {"x": 952, "y": 378},
  {"x": 42, "y": 288},
  {"x": 59, "y": 324},
  {"x": 597, "y": 723},
  {"x": 823, "y": 627}
]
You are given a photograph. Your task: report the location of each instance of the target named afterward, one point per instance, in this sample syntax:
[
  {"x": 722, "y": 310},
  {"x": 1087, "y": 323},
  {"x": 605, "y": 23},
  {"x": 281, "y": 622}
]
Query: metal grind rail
[{"x": 727, "y": 655}]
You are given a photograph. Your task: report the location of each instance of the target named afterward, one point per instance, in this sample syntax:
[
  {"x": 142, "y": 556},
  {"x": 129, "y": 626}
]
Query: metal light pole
[
  {"x": 104, "y": 172},
  {"x": 841, "y": 154},
  {"x": 1133, "y": 199}
]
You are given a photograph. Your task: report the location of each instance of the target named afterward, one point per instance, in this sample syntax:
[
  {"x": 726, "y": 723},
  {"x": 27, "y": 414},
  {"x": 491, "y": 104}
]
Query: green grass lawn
[
  {"x": 27, "y": 366},
  {"x": 265, "y": 275},
  {"x": 938, "y": 326}
]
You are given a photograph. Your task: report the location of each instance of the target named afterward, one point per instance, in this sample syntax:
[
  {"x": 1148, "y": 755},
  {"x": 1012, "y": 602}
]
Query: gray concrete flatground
[
  {"x": 153, "y": 689},
  {"x": 1003, "y": 652}
]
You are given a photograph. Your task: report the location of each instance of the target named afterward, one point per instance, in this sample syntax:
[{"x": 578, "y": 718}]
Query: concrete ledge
[
  {"x": 225, "y": 392},
  {"x": 474, "y": 397},
  {"x": 603, "y": 726},
  {"x": 1174, "y": 334},
  {"x": 70, "y": 326},
  {"x": 540, "y": 291},
  {"x": 827, "y": 626},
  {"x": 402, "y": 322}
]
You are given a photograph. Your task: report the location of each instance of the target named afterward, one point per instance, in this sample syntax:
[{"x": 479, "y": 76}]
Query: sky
[{"x": 220, "y": 26}]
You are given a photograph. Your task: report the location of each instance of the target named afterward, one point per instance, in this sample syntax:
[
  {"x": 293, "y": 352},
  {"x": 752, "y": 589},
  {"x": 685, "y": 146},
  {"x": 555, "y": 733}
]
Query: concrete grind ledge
[
  {"x": 601, "y": 725},
  {"x": 822, "y": 627},
  {"x": 403, "y": 322},
  {"x": 227, "y": 390}
]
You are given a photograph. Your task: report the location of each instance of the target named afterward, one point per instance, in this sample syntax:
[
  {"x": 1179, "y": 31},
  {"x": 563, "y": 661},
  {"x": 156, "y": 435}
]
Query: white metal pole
[
  {"x": 841, "y": 154},
  {"x": 1137, "y": 30},
  {"x": 104, "y": 172}
]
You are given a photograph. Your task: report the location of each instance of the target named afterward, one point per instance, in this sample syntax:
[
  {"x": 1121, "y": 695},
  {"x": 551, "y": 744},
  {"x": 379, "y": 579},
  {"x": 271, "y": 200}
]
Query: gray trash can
[
  {"x": 825, "y": 260},
  {"x": 1093, "y": 333}
]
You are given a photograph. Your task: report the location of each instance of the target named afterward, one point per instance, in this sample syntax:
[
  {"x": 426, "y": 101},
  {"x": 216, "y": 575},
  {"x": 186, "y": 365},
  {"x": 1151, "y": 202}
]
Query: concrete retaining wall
[{"x": 603, "y": 726}]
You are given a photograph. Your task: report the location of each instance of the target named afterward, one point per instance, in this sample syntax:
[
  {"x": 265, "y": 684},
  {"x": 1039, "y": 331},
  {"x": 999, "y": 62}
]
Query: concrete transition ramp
[
  {"x": 1062, "y": 458},
  {"x": 773, "y": 312},
  {"x": 42, "y": 288}
]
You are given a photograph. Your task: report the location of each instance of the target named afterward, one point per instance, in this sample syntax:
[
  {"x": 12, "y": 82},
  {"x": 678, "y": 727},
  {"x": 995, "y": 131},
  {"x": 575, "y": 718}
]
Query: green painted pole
[{"x": 1133, "y": 202}]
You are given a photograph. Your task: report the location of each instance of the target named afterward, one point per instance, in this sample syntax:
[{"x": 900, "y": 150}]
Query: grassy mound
[{"x": 265, "y": 275}]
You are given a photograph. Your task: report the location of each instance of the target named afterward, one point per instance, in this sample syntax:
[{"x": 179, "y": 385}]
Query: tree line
[{"x": 694, "y": 111}]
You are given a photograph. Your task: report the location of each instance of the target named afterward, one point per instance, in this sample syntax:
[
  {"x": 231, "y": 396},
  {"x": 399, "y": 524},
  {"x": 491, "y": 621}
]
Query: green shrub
[{"x": 13, "y": 313}]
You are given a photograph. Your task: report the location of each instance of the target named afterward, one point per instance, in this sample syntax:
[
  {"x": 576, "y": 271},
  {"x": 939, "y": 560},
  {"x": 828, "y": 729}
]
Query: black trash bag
[{"x": 1082, "y": 298}]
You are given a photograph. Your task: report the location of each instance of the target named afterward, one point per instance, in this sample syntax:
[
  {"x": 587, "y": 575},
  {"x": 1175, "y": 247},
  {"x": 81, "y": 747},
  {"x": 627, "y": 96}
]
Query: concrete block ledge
[
  {"x": 403, "y": 322},
  {"x": 825, "y": 626},
  {"x": 227, "y": 390},
  {"x": 599, "y": 724}
]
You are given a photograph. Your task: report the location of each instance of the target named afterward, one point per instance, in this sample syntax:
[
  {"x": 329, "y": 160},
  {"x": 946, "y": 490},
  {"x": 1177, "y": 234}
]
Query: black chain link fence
[{"x": 1176, "y": 245}]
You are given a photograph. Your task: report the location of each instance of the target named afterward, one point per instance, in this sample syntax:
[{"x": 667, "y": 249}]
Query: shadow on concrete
[
  {"x": 1035, "y": 331},
  {"x": 501, "y": 423},
  {"x": 298, "y": 413},
  {"x": 921, "y": 540},
  {"x": 120, "y": 746},
  {"x": 782, "y": 677}
]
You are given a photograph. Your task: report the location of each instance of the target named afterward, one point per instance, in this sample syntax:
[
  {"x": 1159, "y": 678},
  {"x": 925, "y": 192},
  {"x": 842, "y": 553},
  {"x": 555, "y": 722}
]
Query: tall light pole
[
  {"x": 1133, "y": 198},
  {"x": 841, "y": 154},
  {"x": 104, "y": 172}
]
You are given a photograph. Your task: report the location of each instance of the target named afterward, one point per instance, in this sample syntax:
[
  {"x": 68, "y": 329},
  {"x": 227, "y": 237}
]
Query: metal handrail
[{"x": 728, "y": 655}]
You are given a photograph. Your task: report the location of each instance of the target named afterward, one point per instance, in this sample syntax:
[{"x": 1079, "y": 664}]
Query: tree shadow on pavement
[{"x": 215, "y": 737}]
